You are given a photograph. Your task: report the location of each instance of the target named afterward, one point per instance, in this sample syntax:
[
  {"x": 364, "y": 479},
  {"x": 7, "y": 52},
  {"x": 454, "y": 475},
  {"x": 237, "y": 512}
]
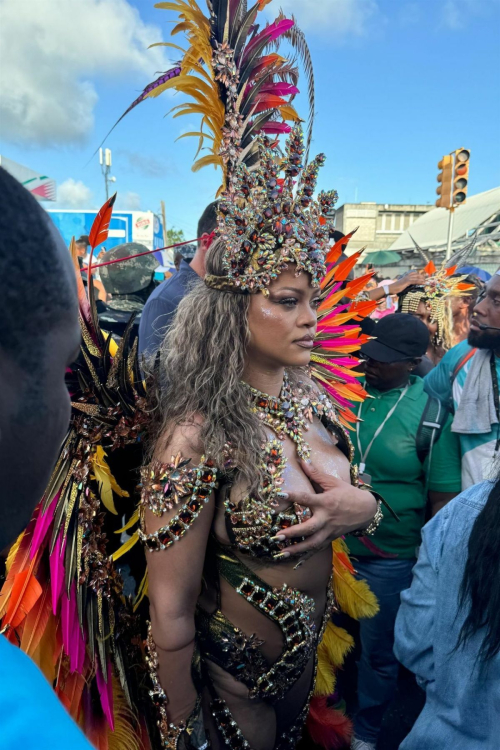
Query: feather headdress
[
  {"x": 233, "y": 77},
  {"x": 440, "y": 285}
]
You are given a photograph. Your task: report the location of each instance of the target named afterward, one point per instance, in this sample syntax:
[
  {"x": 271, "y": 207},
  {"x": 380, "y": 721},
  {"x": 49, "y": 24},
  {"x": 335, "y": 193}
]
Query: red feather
[
  {"x": 100, "y": 227},
  {"x": 328, "y": 727},
  {"x": 100, "y": 230}
]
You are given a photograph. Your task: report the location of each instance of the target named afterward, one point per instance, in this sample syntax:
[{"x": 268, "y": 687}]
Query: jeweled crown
[{"x": 268, "y": 218}]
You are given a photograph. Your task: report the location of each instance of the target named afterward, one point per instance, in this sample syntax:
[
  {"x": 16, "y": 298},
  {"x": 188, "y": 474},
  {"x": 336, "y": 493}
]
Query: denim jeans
[{"x": 378, "y": 667}]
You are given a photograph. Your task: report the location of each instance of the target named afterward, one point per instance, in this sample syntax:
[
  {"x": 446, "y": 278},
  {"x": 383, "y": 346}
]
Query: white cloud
[
  {"x": 74, "y": 194},
  {"x": 337, "y": 18},
  {"x": 457, "y": 14},
  {"x": 50, "y": 52},
  {"x": 128, "y": 202}
]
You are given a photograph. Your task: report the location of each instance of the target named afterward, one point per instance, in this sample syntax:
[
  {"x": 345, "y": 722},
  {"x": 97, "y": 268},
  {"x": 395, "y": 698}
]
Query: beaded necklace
[{"x": 283, "y": 414}]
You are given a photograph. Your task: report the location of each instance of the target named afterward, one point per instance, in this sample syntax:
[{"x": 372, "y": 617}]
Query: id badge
[{"x": 365, "y": 478}]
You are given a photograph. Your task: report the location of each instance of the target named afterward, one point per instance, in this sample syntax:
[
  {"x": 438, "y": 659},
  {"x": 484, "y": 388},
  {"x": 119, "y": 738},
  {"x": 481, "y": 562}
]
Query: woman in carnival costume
[
  {"x": 431, "y": 300},
  {"x": 253, "y": 382}
]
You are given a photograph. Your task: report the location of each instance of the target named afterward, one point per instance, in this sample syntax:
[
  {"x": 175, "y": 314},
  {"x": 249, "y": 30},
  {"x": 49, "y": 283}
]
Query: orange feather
[
  {"x": 25, "y": 593},
  {"x": 430, "y": 268},
  {"x": 335, "y": 252},
  {"x": 36, "y": 622}
]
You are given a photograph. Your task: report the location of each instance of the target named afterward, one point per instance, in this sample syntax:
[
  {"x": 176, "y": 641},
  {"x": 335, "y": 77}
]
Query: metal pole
[
  {"x": 450, "y": 231},
  {"x": 164, "y": 217}
]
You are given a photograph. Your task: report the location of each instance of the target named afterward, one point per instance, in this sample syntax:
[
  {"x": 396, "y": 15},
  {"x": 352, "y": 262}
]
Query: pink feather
[
  {"x": 270, "y": 33},
  {"x": 275, "y": 128},
  {"x": 57, "y": 570},
  {"x": 280, "y": 88},
  {"x": 106, "y": 694},
  {"x": 75, "y": 643},
  {"x": 42, "y": 524}
]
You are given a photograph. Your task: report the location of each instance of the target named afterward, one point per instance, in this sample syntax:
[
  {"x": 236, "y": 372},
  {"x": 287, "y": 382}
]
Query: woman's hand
[
  {"x": 337, "y": 510},
  {"x": 413, "y": 278}
]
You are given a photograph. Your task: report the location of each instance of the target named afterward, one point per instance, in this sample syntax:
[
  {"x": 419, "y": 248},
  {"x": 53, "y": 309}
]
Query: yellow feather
[
  {"x": 206, "y": 161},
  {"x": 126, "y": 734},
  {"x": 335, "y": 644},
  {"x": 289, "y": 113},
  {"x": 142, "y": 591},
  {"x": 167, "y": 44},
  {"x": 131, "y": 522},
  {"x": 107, "y": 482},
  {"x": 13, "y": 552},
  {"x": 325, "y": 679},
  {"x": 126, "y": 547},
  {"x": 353, "y": 597}
]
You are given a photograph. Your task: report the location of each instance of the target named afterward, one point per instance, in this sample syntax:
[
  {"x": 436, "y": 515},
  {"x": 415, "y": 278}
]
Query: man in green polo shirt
[{"x": 409, "y": 473}]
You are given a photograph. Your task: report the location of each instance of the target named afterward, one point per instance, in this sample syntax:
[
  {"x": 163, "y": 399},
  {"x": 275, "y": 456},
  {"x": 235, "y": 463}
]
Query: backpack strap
[{"x": 433, "y": 419}]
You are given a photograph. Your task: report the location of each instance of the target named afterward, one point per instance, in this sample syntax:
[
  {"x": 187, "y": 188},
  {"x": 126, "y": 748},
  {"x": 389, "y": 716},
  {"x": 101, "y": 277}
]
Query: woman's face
[
  {"x": 283, "y": 325},
  {"x": 425, "y": 316}
]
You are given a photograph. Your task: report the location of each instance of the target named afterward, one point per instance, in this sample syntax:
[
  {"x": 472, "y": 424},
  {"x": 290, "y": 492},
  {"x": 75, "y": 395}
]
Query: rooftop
[{"x": 431, "y": 229}]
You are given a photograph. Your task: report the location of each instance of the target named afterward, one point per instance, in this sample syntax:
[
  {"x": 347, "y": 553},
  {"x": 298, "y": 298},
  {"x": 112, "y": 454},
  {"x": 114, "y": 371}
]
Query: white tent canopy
[{"x": 431, "y": 229}]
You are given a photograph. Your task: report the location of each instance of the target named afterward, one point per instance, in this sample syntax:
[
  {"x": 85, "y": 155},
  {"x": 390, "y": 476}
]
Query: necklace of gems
[{"x": 283, "y": 414}]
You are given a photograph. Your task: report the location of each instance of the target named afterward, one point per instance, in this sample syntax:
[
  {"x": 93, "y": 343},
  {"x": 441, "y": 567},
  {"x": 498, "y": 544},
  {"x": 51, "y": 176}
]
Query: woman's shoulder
[
  {"x": 183, "y": 438},
  {"x": 454, "y": 521}
]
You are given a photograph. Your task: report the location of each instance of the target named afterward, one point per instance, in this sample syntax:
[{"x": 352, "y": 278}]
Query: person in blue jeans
[
  {"x": 411, "y": 469},
  {"x": 448, "y": 625},
  {"x": 39, "y": 338}
]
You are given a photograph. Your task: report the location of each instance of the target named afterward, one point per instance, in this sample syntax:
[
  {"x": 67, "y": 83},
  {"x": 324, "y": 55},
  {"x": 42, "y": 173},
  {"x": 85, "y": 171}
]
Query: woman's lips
[{"x": 305, "y": 343}]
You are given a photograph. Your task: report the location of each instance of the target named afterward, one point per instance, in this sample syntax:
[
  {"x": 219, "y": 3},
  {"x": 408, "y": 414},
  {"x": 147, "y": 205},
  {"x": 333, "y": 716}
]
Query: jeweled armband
[{"x": 165, "y": 486}]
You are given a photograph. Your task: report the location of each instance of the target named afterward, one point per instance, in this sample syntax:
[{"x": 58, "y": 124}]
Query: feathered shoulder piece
[
  {"x": 233, "y": 77},
  {"x": 339, "y": 337},
  {"x": 63, "y": 600}
]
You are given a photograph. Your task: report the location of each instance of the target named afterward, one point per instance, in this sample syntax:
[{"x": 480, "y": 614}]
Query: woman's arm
[
  {"x": 410, "y": 279},
  {"x": 414, "y": 631},
  {"x": 175, "y": 573}
]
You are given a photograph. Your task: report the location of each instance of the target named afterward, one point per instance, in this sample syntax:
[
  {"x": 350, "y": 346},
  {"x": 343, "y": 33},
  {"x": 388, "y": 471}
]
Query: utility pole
[
  {"x": 452, "y": 191},
  {"x": 105, "y": 162},
  {"x": 164, "y": 217}
]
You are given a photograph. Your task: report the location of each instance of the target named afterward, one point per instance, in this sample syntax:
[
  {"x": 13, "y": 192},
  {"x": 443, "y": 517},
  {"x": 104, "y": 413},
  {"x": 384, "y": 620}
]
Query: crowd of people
[
  {"x": 418, "y": 443},
  {"x": 240, "y": 505}
]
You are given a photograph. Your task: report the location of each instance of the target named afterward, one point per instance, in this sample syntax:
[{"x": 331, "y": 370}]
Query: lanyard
[{"x": 364, "y": 456}]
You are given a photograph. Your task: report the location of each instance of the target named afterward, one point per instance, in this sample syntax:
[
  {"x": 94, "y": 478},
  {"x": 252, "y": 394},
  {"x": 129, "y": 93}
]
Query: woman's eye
[
  {"x": 288, "y": 301},
  {"x": 316, "y": 303}
]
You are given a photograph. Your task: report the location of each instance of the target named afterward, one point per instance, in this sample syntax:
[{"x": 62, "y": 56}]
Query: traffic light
[
  {"x": 445, "y": 177},
  {"x": 461, "y": 176}
]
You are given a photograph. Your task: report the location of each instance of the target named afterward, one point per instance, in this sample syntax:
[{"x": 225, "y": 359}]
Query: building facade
[{"x": 379, "y": 224}]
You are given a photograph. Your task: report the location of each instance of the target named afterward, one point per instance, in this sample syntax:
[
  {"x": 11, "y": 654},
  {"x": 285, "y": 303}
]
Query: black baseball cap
[{"x": 398, "y": 337}]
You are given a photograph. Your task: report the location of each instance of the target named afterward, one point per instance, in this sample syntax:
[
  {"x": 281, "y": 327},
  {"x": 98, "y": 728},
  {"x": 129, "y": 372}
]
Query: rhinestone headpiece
[
  {"x": 268, "y": 219},
  {"x": 439, "y": 287}
]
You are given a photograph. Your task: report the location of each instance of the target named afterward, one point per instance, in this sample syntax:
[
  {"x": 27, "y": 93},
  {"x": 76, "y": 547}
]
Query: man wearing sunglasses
[
  {"x": 399, "y": 454},
  {"x": 466, "y": 381}
]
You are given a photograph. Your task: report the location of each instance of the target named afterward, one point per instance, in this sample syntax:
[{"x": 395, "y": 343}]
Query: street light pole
[
  {"x": 450, "y": 232},
  {"x": 105, "y": 162}
]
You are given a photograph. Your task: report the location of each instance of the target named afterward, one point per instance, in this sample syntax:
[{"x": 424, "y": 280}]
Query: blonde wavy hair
[{"x": 198, "y": 377}]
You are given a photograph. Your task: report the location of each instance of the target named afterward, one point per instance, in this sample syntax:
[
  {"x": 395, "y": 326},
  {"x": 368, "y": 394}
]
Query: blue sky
[{"x": 398, "y": 84}]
